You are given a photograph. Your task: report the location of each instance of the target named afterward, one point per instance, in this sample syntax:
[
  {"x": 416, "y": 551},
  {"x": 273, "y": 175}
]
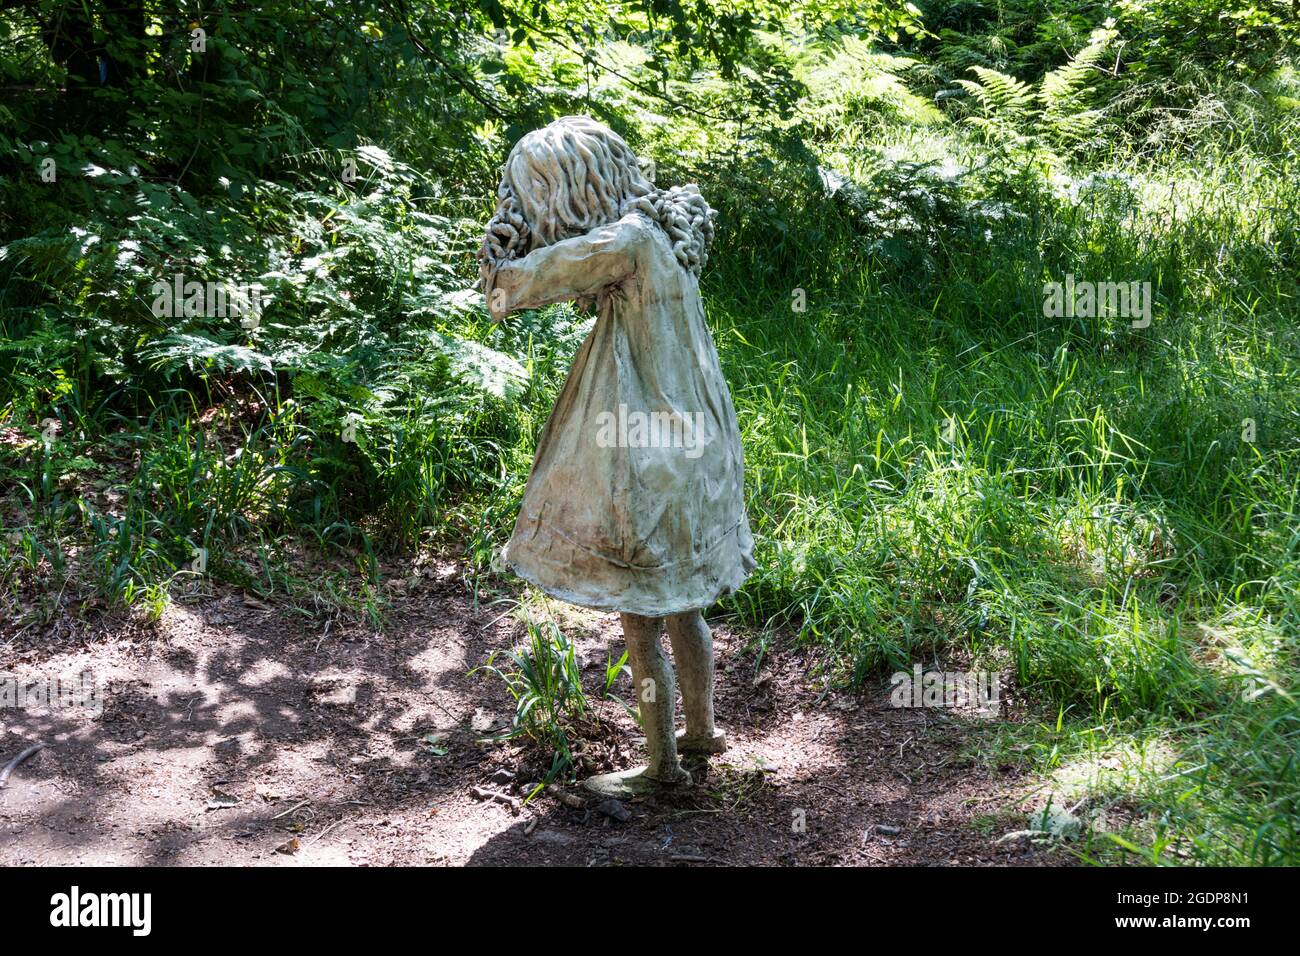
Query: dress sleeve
[{"x": 569, "y": 269}]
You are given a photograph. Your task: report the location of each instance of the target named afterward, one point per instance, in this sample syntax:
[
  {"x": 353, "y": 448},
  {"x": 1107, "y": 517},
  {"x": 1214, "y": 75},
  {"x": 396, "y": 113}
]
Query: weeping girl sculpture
[{"x": 635, "y": 502}]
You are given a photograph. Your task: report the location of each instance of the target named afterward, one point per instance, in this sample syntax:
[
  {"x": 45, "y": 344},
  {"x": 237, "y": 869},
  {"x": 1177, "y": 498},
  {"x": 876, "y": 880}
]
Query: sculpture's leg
[
  {"x": 693, "y": 651},
  {"x": 656, "y": 695}
]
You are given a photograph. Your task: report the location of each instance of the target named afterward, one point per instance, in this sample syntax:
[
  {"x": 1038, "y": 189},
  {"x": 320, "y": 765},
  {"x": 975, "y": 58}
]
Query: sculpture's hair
[{"x": 590, "y": 177}]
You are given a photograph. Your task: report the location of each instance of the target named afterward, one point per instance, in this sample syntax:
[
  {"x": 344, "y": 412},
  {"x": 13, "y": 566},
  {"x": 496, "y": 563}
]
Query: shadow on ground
[{"x": 233, "y": 733}]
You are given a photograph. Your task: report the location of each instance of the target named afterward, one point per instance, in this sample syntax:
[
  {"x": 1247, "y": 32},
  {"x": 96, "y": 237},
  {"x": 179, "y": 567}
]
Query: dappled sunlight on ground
[{"x": 233, "y": 733}]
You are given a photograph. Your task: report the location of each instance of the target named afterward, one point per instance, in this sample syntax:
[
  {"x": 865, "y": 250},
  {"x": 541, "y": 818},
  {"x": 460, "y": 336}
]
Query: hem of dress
[{"x": 746, "y": 565}]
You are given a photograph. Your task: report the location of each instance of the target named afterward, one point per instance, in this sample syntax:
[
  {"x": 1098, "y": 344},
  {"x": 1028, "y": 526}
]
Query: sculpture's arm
[{"x": 569, "y": 269}]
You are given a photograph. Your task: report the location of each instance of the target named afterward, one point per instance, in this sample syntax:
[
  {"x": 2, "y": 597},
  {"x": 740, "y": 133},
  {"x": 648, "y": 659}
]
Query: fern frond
[
  {"x": 1000, "y": 94},
  {"x": 199, "y": 353},
  {"x": 1063, "y": 87},
  {"x": 481, "y": 367},
  {"x": 1065, "y": 93},
  {"x": 1004, "y": 101}
]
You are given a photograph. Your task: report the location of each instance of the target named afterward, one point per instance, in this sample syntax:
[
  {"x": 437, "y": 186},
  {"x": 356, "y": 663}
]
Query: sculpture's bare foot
[
  {"x": 686, "y": 743},
  {"x": 626, "y": 784}
]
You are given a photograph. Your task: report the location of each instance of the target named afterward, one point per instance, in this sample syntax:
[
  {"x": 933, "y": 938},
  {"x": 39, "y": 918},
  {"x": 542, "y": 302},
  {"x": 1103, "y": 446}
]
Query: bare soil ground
[{"x": 236, "y": 733}]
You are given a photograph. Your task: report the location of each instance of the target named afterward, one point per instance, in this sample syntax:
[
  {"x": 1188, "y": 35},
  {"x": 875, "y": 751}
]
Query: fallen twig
[
  {"x": 296, "y": 806},
  {"x": 9, "y": 767},
  {"x": 324, "y": 634},
  {"x": 570, "y": 800},
  {"x": 483, "y": 793},
  {"x": 317, "y": 838}
]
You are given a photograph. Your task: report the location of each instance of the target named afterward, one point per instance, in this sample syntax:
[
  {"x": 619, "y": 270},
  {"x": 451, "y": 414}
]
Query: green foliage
[
  {"x": 1004, "y": 100},
  {"x": 851, "y": 86},
  {"x": 1012, "y": 113},
  {"x": 546, "y": 684}
]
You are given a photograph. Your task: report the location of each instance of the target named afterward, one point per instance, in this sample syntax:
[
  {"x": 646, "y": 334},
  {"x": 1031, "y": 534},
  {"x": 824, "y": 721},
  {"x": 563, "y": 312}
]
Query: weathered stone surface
[{"x": 635, "y": 502}]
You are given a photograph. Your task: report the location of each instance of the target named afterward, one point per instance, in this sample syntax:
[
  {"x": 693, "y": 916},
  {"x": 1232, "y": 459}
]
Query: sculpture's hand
[
  {"x": 494, "y": 296},
  {"x": 505, "y": 239}
]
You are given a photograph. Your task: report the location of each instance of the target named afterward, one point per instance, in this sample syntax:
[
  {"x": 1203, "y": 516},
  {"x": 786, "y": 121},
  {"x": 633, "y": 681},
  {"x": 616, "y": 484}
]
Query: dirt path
[{"x": 231, "y": 729}]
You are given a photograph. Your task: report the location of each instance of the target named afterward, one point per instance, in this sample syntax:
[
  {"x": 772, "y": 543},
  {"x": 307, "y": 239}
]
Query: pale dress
[{"x": 659, "y": 527}]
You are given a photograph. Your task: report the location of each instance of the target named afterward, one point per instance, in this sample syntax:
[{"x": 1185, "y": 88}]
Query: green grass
[
  {"x": 934, "y": 465},
  {"x": 545, "y": 680}
]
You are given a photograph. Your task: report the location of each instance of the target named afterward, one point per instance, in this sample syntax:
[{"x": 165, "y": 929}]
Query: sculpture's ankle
[
  {"x": 667, "y": 773},
  {"x": 700, "y": 741}
]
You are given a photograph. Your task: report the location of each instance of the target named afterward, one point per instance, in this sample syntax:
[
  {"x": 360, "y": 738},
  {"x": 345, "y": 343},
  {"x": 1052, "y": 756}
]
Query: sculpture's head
[
  {"x": 575, "y": 174},
  {"x": 570, "y": 177}
]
